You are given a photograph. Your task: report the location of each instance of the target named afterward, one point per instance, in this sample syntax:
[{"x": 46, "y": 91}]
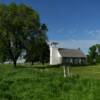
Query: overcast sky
[{"x": 73, "y": 23}]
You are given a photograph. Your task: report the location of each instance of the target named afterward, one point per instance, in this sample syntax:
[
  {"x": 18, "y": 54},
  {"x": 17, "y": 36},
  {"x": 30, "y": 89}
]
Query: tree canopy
[
  {"x": 94, "y": 54},
  {"x": 19, "y": 24}
]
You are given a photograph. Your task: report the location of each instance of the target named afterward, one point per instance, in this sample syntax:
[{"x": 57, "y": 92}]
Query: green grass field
[{"x": 31, "y": 83}]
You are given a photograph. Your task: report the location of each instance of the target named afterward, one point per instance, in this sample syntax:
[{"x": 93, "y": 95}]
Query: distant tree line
[
  {"x": 21, "y": 30},
  {"x": 93, "y": 56}
]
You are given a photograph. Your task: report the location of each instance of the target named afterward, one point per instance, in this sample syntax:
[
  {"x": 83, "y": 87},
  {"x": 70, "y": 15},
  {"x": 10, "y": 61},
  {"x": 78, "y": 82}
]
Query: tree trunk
[
  {"x": 42, "y": 62},
  {"x": 14, "y": 63},
  {"x": 32, "y": 62}
]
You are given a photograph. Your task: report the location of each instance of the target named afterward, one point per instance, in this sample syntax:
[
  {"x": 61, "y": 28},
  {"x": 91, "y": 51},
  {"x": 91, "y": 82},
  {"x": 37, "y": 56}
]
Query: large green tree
[
  {"x": 94, "y": 54},
  {"x": 40, "y": 50},
  {"x": 43, "y": 47},
  {"x": 18, "y": 23}
]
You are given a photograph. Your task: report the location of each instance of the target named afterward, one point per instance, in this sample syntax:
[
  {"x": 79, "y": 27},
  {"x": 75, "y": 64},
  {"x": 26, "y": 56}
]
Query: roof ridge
[{"x": 71, "y": 52}]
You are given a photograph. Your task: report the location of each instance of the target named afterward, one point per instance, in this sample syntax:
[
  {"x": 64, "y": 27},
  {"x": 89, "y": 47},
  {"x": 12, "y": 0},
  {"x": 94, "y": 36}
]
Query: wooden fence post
[{"x": 64, "y": 69}]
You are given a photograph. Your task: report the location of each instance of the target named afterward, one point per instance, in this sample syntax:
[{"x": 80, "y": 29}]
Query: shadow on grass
[
  {"x": 38, "y": 67},
  {"x": 49, "y": 66}
]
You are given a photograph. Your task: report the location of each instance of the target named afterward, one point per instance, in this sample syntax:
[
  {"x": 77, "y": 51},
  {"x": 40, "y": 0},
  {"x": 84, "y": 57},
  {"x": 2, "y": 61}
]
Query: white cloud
[
  {"x": 61, "y": 30},
  {"x": 94, "y": 33},
  {"x": 72, "y": 31},
  {"x": 64, "y": 29}
]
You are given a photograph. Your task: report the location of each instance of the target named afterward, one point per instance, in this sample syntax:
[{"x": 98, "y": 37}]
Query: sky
[{"x": 71, "y": 23}]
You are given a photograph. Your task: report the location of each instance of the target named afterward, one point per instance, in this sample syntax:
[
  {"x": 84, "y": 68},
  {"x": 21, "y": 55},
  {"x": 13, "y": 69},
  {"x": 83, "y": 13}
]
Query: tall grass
[{"x": 41, "y": 84}]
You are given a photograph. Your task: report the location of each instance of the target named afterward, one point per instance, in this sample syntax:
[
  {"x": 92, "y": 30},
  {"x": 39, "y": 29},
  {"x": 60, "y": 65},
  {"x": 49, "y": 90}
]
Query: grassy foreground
[{"x": 48, "y": 84}]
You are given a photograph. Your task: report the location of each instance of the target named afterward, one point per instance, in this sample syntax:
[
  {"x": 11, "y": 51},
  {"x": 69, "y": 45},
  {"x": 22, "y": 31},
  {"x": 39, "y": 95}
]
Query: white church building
[{"x": 66, "y": 56}]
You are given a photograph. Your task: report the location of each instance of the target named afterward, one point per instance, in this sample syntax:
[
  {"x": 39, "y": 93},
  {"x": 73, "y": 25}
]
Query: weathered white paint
[
  {"x": 64, "y": 69},
  {"x": 55, "y": 57}
]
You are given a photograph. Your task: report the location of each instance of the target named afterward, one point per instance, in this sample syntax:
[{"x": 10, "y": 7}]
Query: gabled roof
[{"x": 71, "y": 53}]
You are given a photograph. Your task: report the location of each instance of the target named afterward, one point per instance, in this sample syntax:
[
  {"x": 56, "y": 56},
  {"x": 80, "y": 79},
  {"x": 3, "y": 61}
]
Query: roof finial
[{"x": 54, "y": 44}]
